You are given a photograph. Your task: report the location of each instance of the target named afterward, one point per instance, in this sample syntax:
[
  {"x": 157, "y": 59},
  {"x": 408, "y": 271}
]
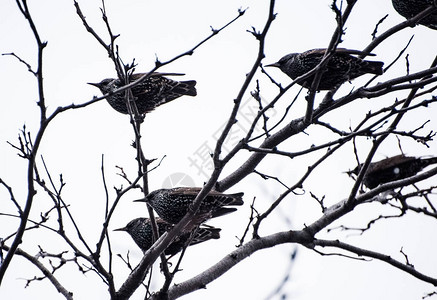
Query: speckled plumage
[
  {"x": 393, "y": 168},
  {"x": 341, "y": 67},
  {"x": 141, "y": 232},
  {"x": 149, "y": 94},
  {"x": 172, "y": 204},
  {"x": 410, "y": 8}
]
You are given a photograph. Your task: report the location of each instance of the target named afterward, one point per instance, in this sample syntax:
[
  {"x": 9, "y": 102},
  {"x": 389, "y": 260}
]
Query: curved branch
[
  {"x": 298, "y": 125},
  {"x": 232, "y": 259},
  {"x": 137, "y": 275},
  {"x": 379, "y": 256},
  {"x": 31, "y": 164},
  {"x": 303, "y": 237},
  {"x": 407, "y": 23},
  {"x": 68, "y": 295}
]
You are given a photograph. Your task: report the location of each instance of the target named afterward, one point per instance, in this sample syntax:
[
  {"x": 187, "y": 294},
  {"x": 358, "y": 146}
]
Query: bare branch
[
  {"x": 31, "y": 160},
  {"x": 11, "y": 194},
  {"x": 225, "y": 264},
  {"x": 379, "y": 256},
  {"x": 29, "y": 67},
  {"x": 47, "y": 274}
]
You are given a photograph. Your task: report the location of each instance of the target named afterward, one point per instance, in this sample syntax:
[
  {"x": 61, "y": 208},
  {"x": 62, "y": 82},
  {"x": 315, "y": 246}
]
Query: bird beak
[
  {"x": 120, "y": 229},
  {"x": 351, "y": 174},
  {"x": 141, "y": 200},
  {"x": 273, "y": 65},
  {"x": 94, "y": 84}
]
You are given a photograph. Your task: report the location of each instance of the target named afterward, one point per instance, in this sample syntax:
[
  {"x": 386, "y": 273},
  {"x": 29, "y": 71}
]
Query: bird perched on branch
[
  {"x": 148, "y": 94},
  {"x": 341, "y": 67},
  {"x": 393, "y": 168},
  {"x": 172, "y": 204},
  {"x": 410, "y": 8},
  {"x": 140, "y": 229}
]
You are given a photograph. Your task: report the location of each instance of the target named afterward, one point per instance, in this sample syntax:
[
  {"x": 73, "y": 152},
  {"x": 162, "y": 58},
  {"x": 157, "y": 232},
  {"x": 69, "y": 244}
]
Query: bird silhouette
[
  {"x": 172, "y": 204},
  {"x": 410, "y": 8},
  {"x": 393, "y": 168},
  {"x": 148, "y": 94},
  {"x": 341, "y": 67},
  {"x": 140, "y": 229}
]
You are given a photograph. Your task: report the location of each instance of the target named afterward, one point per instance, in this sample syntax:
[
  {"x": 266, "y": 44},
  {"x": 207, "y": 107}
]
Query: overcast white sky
[{"x": 75, "y": 142}]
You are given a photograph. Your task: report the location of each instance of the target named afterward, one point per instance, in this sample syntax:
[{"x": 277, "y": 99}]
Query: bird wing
[
  {"x": 225, "y": 199},
  {"x": 192, "y": 191},
  {"x": 390, "y": 162},
  {"x": 137, "y": 76},
  {"x": 196, "y": 190},
  {"x": 163, "y": 225},
  {"x": 354, "y": 52},
  {"x": 321, "y": 52},
  {"x": 203, "y": 234}
]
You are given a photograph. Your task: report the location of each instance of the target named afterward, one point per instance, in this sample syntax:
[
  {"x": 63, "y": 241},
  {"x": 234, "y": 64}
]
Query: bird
[
  {"x": 172, "y": 204},
  {"x": 410, "y": 8},
  {"x": 341, "y": 67},
  {"x": 140, "y": 229},
  {"x": 148, "y": 94},
  {"x": 393, "y": 168}
]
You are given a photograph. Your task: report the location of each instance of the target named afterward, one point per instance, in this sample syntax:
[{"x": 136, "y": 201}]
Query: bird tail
[
  {"x": 232, "y": 199},
  {"x": 207, "y": 232},
  {"x": 214, "y": 233},
  {"x": 204, "y": 233},
  {"x": 374, "y": 67},
  {"x": 429, "y": 161},
  {"x": 222, "y": 211},
  {"x": 221, "y": 201},
  {"x": 186, "y": 88}
]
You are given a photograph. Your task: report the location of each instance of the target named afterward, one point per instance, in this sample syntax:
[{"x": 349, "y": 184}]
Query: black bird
[
  {"x": 393, "y": 168},
  {"x": 149, "y": 94},
  {"x": 410, "y": 8},
  {"x": 172, "y": 204},
  {"x": 140, "y": 229},
  {"x": 341, "y": 67}
]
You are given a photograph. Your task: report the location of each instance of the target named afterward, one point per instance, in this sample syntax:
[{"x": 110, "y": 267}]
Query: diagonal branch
[
  {"x": 61, "y": 289},
  {"x": 379, "y": 256},
  {"x": 229, "y": 261},
  {"x": 31, "y": 163}
]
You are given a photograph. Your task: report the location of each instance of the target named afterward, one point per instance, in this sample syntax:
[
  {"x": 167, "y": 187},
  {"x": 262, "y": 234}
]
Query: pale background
[{"x": 76, "y": 140}]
